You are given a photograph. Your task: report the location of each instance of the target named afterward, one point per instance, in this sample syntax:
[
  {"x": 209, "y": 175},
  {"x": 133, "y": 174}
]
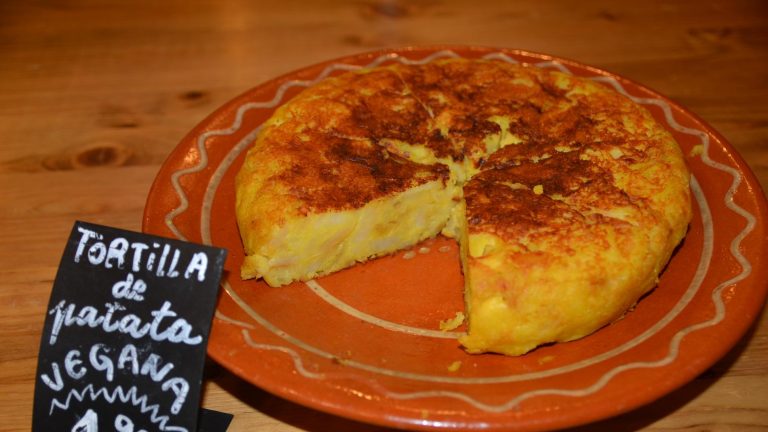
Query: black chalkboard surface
[{"x": 124, "y": 341}]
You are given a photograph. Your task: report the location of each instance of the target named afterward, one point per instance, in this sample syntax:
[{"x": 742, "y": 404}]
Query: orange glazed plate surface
[{"x": 365, "y": 343}]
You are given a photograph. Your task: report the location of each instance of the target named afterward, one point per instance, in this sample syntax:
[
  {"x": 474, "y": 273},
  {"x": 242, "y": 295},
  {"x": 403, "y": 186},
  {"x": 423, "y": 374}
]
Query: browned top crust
[
  {"x": 345, "y": 141},
  {"x": 573, "y": 196}
]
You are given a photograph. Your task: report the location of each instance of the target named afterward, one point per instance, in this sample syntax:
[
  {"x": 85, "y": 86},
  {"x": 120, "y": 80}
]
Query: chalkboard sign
[{"x": 124, "y": 341}]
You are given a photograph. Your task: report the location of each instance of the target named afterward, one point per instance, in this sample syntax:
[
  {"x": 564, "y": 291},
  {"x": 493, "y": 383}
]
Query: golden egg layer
[{"x": 567, "y": 199}]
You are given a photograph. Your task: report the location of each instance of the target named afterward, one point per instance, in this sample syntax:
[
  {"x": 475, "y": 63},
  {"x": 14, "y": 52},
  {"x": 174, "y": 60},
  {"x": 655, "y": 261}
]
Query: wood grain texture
[{"x": 95, "y": 94}]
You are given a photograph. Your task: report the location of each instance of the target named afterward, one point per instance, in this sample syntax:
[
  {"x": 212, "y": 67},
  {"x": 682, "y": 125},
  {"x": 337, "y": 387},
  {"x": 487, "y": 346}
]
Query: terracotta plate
[{"x": 365, "y": 343}]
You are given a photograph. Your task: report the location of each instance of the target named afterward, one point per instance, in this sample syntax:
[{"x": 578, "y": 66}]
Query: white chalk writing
[
  {"x": 106, "y": 360},
  {"x": 125, "y": 424},
  {"x": 111, "y": 320},
  {"x": 129, "y": 289},
  {"x": 118, "y": 394},
  {"x": 99, "y": 370},
  {"x": 162, "y": 260},
  {"x": 89, "y": 422}
]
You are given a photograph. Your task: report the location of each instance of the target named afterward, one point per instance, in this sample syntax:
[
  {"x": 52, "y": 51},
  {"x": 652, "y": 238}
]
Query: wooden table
[{"x": 94, "y": 95}]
